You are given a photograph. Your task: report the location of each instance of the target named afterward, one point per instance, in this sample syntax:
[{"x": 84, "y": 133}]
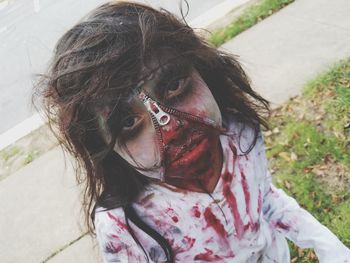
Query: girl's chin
[{"x": 204, "y": 172}]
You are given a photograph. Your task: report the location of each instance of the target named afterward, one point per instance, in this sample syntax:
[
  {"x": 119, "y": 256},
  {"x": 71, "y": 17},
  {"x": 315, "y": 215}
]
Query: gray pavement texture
[
  {"x": 287, "y": 49},
  {"x": 40, "y": 203}
]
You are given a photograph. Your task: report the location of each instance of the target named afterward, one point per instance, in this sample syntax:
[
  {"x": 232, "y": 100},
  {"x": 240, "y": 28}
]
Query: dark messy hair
[{"x": 103, "y": 56}]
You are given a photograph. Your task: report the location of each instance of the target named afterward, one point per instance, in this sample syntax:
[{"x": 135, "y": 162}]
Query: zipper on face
[
  {"x": 162, "y": 117},
  {"x": 160, "y": 112},
  {"x": 159, "y": 118},
  {"x": 188, "y": 116}
]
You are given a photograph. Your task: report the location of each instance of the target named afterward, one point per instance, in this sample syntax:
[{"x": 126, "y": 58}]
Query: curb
[
  {"x": 221, "y": 15},
  {"x": 217, "y": 17},
  {"x": 21, "y": 130}
]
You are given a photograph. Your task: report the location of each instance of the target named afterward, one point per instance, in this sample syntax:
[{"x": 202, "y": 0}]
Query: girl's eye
[
  {"x": 129, "y": 122},
  {"x": 131, "y": 126},
  {"x": 175, "y": 88}
]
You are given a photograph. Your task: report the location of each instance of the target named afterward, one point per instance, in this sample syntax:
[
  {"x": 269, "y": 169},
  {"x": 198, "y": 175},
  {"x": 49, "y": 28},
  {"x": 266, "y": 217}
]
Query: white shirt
[{"x": 246, "y": 219}]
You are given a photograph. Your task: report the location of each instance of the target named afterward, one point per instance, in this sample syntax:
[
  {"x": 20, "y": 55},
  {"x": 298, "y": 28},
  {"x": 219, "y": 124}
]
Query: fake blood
[
  {"x": 254, "y": 226},
  {"x": 112, "y": 248},
  {"x": 170, "y": 212},
  {"x": 195, "y": 211},
  {"x": 118, "y": 222},
  {"x": 259, "y": 202},
  {"x": 189, "y": 242},
  {"x": 213, "y": 222},
  {"x": 227, "y": 177},
  {"x": 208, "y": 255},
  {"x": 186, "y": 244},
  {"x": 233, "y": 148},
  {"x": 188, "y": 150},
  {"x": 231, "y": 200},
  {"x": 232, "y": 203},
  {"x": 194, "y": 167},
  {"x": 282, "y": 225},
  {"x": 246, "y": 192},
  {"x": 116, "y": 248}
]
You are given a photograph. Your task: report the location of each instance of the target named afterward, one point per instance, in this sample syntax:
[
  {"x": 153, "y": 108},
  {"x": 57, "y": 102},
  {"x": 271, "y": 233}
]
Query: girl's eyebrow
[
  {"x": 160, "y": 77},
  {"x": 168, "y": 73},
  {"x": 173, "y": 70}
]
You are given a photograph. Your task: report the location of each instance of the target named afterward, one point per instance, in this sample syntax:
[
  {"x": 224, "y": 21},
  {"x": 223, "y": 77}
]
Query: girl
[{"x": 166, "y": 132}]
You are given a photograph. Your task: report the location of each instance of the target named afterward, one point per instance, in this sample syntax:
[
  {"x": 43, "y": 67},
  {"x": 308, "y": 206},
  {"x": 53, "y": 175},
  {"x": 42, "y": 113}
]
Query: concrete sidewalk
[
  {"x": 40, "y": 213},
  {"x": 40, "y": 203},
  {"x": 287, "y": 49}
]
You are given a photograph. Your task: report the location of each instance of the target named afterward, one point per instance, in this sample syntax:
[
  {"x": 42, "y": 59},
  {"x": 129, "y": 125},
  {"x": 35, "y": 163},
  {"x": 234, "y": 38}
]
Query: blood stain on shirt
[
  {"x": 227, "y": 177},
  {"x": 233, "y": 149},
  {"x": 207, "y": 256},
  {"x": 195, "y": 211},
  {"x": 189, "y": 241},
  {"x": 254, "y": 226},
  {"x": 282, "y": 225},
  {"x": 246, "y": 192},
  {"x": 170, "y": 212},
  {"x": 232, "y": 203},
  {"x": 215, "y": 223},
  {"x": 112, "y": 248},
  {"x": 118, "y": 222},
  {"x": 259, "y": 202}
]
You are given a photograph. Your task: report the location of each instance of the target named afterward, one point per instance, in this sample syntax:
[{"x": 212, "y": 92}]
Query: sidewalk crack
[{"x": 64, "y": 247}]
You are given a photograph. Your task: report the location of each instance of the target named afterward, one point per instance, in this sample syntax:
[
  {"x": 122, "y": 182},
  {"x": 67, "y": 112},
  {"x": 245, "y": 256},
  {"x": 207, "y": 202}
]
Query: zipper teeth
[
  {"x": 158, "y": 135},
  {"x": 177, "y": 113},
  {"x": 185, "y": 115}
]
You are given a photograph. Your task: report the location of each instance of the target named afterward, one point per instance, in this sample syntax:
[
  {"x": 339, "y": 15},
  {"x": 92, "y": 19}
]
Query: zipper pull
[{"x": 162, "y": 117}]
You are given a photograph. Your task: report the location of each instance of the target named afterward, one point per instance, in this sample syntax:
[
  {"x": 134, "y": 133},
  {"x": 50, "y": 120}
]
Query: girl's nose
[{"x": 176, "y": 131}]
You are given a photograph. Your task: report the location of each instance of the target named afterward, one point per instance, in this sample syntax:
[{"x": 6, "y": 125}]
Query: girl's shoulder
[
  {"x": 113, "y": 221},
  {"x": 114, "y": 238},
  {"x": 109, "y": 221},
  {"x": 246, "y": 137}
]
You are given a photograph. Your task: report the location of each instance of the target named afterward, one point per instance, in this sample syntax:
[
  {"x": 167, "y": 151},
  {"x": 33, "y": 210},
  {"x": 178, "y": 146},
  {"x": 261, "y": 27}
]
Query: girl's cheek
[
  {"x": 200, "y": 101},
  {"x": 202, "y": 104},
  {"x": 143, "y": 150}
]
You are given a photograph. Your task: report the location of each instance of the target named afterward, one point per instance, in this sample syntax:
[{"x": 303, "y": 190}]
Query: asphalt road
[{"x": 29, "y": 30}]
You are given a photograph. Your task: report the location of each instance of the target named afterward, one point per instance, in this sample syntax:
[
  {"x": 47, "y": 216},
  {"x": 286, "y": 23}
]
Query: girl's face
[{"x": 172, "y": 130}]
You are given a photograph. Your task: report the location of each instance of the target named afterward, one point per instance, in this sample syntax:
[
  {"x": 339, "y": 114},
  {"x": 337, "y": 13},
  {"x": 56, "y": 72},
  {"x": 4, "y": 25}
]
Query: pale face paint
[{"x": 175, "y": 136}]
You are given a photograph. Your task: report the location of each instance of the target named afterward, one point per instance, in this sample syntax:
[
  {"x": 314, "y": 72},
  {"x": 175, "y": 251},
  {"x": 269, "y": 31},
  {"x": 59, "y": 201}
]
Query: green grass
[
  {"x": 8, "y": 153},
  {"x": 318, "y": 146},
  {"x": 30, "y": 156},
  {"x": 250, "y": 17},
  {"x": 303, "y": 138}
]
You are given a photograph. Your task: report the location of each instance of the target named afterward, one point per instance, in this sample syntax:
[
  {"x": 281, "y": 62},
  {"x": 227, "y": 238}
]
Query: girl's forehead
[{"x": 162, "y": 60}]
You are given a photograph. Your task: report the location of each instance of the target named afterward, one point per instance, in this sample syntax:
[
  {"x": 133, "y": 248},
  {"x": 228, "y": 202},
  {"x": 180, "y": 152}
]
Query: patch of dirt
[{"x": 334, "y": 175}]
